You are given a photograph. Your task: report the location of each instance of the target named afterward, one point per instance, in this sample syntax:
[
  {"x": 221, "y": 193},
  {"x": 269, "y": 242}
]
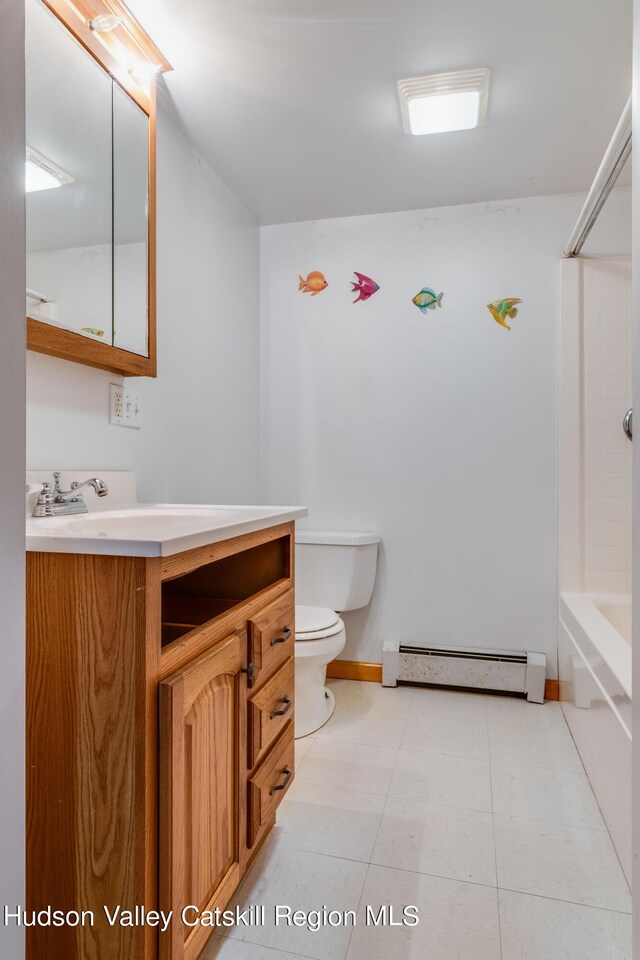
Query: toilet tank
[{"x": 335, "y": 569}]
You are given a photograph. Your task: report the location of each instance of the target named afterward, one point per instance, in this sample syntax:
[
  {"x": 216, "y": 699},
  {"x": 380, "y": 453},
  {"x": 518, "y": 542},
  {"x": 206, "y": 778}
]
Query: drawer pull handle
[
  {"x": 250, "y": 672},
  {"x": 285, "y": 635},
  {"x": 281, "y": 786},
  {"x": 280, "y": 713}
]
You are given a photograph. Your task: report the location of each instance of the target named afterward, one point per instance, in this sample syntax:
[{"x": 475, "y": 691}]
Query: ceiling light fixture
[
  {"x": 43, "y": 174},
  {"x": 444, "y": 101},
  {"x": 105, "y": 22}
]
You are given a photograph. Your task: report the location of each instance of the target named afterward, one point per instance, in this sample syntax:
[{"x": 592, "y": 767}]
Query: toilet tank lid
[{"x": 336, "y": 537}]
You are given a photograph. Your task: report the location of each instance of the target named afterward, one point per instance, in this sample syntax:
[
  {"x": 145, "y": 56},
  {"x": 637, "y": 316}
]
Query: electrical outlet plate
[
  {"x": 116, "y": 394},
  {"x": 125, "y": 406}
]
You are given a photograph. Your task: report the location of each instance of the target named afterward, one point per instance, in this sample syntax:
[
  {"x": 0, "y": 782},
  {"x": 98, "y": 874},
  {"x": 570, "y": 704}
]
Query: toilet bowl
[
  {"x": 320, "y": 638},
  {"x": 335, "y": 571}
]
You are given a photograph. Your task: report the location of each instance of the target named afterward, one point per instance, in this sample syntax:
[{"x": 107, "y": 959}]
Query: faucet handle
[{"x": 45, "y": 501}]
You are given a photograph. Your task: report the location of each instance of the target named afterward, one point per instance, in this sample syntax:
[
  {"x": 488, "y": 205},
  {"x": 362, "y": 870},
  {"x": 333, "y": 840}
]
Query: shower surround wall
[
  {"x": 606, "y": 332},
  {"x": 439, "y": 431},
  {"x": 594, "y": 543}
]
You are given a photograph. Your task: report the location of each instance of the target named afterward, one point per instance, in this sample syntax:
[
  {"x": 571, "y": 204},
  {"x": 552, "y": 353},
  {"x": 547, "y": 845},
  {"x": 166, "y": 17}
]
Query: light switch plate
[{"x": 125, "y": 406}]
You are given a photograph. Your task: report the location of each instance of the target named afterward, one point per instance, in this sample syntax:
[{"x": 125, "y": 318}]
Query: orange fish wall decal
[{"x": 314, "y": 284}]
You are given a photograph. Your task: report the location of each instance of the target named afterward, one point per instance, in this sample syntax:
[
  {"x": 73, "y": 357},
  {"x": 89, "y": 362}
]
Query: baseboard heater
[{"x": 493, "y": 670}]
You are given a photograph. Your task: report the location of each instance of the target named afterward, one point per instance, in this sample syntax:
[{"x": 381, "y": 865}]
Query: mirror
[
  {"x": 90, "y": 253},
  {"x": 68, "y": 181},
  {"x": 130, "y": 223}
]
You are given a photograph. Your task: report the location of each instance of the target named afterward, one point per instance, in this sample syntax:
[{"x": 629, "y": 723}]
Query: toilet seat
[{"x": 312, "y": 623}]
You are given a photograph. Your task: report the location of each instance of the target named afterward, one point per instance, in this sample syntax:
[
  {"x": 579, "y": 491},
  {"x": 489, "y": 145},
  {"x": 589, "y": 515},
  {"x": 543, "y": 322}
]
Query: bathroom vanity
[{"x": 160, "y": 719}]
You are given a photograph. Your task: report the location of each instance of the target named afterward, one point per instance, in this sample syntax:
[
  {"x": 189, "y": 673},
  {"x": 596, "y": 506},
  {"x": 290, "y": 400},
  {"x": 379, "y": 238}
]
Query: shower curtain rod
[{"x": 608, "y": 172}]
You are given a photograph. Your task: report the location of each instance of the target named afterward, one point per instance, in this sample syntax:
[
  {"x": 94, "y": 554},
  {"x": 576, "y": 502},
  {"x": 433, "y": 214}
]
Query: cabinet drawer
[
  {"x": 270, "y": 709},
  {"x": 272, "y": 635},
  {"x": 269, "y": 783}
]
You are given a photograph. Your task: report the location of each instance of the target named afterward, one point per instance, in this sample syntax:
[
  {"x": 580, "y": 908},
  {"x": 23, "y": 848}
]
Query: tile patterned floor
[{"x": 476, "y": 809}]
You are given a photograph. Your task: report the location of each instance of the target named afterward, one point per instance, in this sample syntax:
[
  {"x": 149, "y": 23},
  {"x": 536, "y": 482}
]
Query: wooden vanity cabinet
[{"x": 159, "y": 736}]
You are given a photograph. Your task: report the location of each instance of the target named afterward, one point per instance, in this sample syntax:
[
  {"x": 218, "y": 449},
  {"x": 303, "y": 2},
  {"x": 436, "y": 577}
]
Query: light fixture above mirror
[{"x": 105, "y": 22}]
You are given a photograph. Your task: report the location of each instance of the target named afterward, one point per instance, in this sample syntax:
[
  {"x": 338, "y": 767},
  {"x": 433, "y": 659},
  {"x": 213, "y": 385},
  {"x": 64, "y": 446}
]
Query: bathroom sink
[
  {"x": 150, "y": 530},
  {"x": 143, "y": 516}
]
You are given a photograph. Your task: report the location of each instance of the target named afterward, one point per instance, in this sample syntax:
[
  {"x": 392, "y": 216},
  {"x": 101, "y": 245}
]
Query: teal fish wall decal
[{"x": 427, "y": 299}]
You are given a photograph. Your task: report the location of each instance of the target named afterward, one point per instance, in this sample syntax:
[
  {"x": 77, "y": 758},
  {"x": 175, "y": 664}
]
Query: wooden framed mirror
[{"x": 90, "y": 185}]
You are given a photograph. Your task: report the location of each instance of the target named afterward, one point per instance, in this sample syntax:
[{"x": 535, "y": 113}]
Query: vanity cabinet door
[{"x": 202, "y": 815}]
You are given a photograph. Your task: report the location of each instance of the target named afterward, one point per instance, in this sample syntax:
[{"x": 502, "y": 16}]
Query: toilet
[{"x": 335, "y": 572}]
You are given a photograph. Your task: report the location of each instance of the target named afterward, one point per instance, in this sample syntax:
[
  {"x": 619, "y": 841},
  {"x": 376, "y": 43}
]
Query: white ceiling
[{"x": 294, "y": 102}]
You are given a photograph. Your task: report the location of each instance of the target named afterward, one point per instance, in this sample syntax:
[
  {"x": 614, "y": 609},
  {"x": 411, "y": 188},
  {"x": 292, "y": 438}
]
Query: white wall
[
  {"x": 12, "y": 285},
  {"x": 438, "y": 431},
  {"x": 200, "y": 436}
]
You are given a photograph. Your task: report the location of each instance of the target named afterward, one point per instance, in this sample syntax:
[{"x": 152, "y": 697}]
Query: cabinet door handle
[
  {"x": 285, "y": 635},
  {"x": 250, "y": 672},
  {"x": 286, "y": 702},
  {"x": 281, "y": 786}
]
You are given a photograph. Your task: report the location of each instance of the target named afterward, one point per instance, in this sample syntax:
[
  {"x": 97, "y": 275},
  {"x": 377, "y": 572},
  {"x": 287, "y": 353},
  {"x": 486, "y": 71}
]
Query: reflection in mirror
[
  {"x": 130, "y": 223},
  {"x": 69, "y": 180}
]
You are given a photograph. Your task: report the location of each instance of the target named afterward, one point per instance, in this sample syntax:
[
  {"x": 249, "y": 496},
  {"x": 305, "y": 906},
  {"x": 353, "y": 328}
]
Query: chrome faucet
[{"x": 53, "y": 501}]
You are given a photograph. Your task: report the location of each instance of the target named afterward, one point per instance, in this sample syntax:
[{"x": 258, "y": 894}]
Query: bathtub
[{"x": 594, "y": 664}]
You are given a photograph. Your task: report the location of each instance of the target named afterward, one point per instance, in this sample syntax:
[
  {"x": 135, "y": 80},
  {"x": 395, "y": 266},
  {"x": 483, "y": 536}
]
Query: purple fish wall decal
[{"x": 365, "y": 286}]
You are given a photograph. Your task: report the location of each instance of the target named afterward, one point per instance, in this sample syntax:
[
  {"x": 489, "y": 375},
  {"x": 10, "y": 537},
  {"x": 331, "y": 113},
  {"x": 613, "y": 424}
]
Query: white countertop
[{"x": 151, "y": 529}]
